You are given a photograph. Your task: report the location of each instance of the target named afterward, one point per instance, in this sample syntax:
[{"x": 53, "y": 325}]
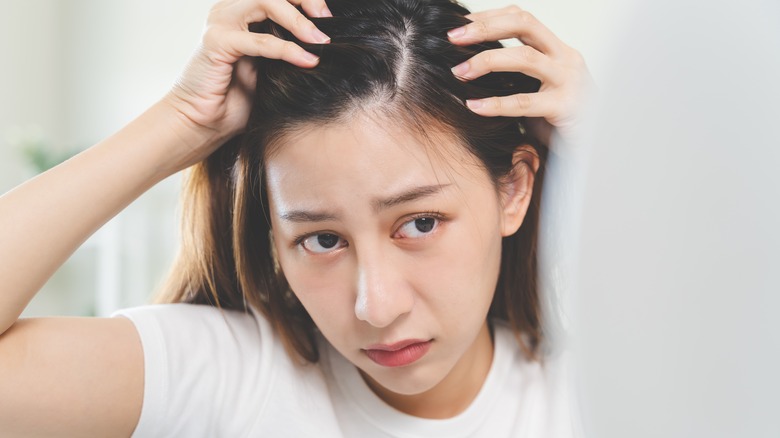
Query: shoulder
[
  {"x": 187, "y": 314},
  {"x": 214, "y": 339},
  {"x": 197, "y": 357},
  {"x": 196, "y": 329}
]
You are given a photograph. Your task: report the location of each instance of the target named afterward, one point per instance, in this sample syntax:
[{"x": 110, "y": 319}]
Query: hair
[{"x": 390, "y": 57}]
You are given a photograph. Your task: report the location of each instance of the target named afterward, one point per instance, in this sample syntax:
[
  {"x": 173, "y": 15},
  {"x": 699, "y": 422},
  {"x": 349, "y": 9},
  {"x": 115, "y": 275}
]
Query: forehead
[{"x": 365, "y": 158}]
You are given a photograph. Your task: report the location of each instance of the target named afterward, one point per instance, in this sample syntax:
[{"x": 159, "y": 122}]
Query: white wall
[
  {"x": 30, "y": 89},
  {"x": 122, "y": 57}
]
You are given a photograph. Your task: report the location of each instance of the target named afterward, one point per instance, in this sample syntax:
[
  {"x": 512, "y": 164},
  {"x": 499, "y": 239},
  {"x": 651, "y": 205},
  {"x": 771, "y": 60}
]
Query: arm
[
  {"x": 70, "y": 377},
  {"x": 79, "y": 376}
]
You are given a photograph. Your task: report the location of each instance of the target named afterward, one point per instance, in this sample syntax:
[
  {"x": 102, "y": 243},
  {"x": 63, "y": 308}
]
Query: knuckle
[
  {"x": 528, "y": 54},
  {"x": 211, "y": 36},
  {"x": 496, "y": 103},
  {"x": 520, "y": 55},
  {"x": 526, "y": 18},
  {"x": 481, "y": 28},
  {"x": 289, "y": 48},
  {"x": 301, "y": 22},
  {"x": 487, "y": 58},
  {"x": 262, "y": 39},
  {"x": 214, "y": 14},
  {"x": 513, "y": 10},
  {"x": 522, "y": 101},
  {"x": 218, "y": 11},
  {"x": 577, "y": 58}
]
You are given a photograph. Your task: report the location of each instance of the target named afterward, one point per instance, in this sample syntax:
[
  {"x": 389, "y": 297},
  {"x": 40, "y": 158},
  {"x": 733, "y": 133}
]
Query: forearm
[{"x": 43, "y": 221}]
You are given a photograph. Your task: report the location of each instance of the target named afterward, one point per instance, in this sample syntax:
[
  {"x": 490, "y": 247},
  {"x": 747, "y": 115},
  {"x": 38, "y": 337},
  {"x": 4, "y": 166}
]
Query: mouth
[{"x": 398, "y": 354}]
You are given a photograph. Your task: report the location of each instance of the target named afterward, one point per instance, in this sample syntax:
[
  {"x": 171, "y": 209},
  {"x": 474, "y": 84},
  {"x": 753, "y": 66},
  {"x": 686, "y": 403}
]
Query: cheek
[
  {"x": 460, "y": 278},
  {"x": 323, "y": 290}
]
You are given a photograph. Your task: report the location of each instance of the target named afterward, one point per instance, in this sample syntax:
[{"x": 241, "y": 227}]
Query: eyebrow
[
  {"x": 408, "y": 196},
  {"x": 378, "y": 205}
]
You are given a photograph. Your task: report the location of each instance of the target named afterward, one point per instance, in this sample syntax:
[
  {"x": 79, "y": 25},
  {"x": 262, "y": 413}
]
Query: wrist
[{"x": 185, "y": 141}]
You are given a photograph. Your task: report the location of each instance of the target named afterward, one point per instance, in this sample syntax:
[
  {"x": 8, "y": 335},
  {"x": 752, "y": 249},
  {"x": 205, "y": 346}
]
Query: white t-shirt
[{"x": 221, "y": 373}]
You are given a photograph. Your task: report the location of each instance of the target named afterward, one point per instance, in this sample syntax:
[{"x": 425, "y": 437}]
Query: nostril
[
  {"x": 374, "y": 307},
  {"x": 382, "y": 308}
]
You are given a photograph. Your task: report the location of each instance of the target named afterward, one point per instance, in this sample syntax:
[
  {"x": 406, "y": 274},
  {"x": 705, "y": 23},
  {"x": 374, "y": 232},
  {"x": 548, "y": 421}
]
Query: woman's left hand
[{"x": 561, "y": 69}]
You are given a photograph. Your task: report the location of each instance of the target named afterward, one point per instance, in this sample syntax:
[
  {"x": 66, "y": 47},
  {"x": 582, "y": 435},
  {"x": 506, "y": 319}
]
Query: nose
[{"x": 382, "y": 293}]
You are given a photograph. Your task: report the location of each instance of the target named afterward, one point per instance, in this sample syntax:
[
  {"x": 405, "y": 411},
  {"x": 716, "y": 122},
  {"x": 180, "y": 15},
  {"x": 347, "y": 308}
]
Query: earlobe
[{"x": 517, "y": 189}]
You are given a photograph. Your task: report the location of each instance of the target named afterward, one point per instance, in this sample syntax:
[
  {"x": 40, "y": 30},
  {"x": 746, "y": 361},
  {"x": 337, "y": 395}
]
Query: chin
[{"x": 408, "y": 380}]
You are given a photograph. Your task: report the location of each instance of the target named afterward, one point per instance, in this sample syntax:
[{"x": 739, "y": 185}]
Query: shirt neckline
[{"x": 363, "y": 401}]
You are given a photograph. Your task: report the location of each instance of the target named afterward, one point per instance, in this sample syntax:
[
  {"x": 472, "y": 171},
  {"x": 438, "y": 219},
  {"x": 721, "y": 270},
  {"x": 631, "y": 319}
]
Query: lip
[{"x": 398, "y": 354}]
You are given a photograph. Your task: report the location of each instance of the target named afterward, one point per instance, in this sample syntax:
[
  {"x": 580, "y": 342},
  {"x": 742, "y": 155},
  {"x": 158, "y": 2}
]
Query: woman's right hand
[{"x": 213, "y": 96}]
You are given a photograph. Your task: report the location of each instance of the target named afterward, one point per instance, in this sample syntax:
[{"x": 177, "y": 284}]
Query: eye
[
  {"x": 323, "y": 243},
  {"x": 419, "y": 227}
]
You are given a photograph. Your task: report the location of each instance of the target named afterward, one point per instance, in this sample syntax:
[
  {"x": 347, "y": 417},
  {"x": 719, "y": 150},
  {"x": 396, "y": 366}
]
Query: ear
[{"x": 516, "y": 189}]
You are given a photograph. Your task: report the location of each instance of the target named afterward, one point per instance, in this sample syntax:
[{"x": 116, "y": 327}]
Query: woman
[{"x": 374, "y": 237}]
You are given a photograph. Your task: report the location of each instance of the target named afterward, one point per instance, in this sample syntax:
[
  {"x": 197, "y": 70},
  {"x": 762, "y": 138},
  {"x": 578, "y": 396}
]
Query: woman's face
[{"x": 385, "y": 242}]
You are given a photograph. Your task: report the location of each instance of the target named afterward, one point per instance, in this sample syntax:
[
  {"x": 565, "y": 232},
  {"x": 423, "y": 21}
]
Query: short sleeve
[{"x": 207, "y": 371}]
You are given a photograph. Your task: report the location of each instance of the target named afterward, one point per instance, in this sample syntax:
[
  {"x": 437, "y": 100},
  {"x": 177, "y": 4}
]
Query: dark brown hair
[{"x": 394, "y": 57}]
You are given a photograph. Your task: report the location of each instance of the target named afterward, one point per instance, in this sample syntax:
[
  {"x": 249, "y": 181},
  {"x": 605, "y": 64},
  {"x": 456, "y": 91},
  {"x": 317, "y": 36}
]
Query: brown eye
[
  {"x": 327, "y": 240},
  {"x": 425, "y": 224},
  {"x": 419, "y": 227},
  {"x": 323, "y": 243}
]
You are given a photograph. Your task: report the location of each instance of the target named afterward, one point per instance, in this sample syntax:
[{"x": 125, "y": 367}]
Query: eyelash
[
  {"x": 298, "y": 240},
  {"x": 433, "y": 214}
]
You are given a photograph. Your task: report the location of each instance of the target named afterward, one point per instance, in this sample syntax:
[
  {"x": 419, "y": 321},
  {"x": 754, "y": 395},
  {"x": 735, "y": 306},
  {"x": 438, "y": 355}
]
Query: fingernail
[
  {"x": 457, "y": 32},
  {"x": 319, "y": 36},
  {"x": 326, "y": 12},
  {"x": 311, "y": 57},
  {"x": 461, "y": 69},
  {"x": 475, "y": 104}
]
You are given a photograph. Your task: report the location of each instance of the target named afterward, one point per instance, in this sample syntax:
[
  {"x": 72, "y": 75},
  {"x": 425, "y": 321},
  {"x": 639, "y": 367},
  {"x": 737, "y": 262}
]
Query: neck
[{"x": 455, "y": 393}]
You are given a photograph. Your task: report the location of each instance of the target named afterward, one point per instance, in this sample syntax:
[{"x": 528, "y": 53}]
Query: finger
[
  {"x": 287, "y": 16},
  {"x": 513, "y": 23},
  {"x": 524, "y": 59},
  {"x": 481, "y": 15},
  {"x": 313, "y": 8},
  {"x": 516, "y": 105},
  {"x": 269, "y": 46}
]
